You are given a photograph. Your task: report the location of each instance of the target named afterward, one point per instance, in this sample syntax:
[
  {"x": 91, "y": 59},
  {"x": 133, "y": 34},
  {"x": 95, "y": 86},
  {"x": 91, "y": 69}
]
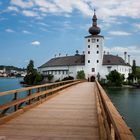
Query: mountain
[{"x": 11, "y": 68}]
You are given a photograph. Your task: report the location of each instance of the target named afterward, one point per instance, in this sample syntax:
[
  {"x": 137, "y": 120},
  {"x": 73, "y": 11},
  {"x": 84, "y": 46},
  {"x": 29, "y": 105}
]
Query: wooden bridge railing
[
  {"x": 33, "y": 96},
  {"x": 111, "y": 124}
]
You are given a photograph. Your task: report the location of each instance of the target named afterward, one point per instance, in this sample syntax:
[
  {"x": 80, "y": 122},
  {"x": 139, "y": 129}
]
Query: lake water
[
  {"x": 126, "y": 100},
  {"x": 9, "y": 83}
]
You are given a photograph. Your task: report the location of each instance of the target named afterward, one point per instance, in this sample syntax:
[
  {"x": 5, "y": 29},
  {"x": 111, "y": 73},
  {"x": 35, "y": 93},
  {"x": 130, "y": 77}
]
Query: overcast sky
[{"x": 41, "y": 29}]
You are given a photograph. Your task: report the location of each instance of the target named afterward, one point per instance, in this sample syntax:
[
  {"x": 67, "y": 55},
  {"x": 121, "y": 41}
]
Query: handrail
[
  {"x": 113, "y": 126},
  {"x": 34, "y": 96}
]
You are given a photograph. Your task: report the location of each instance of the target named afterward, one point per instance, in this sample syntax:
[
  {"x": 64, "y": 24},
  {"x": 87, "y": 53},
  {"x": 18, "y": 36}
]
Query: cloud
[
  {"x": 22, "y": 4},
  {"x": 35, "y": 43},
  {"x": 137, "y": 25},
  {"x": 26, "y": 32},
  {"x": 9, "y": 30},
  {"x": 119, "y": 33},
  {"x": 12, "y": 8},
  {"x": 107, "y": 10},
  {"x": 29, "y": 13},
  {"x": 43, "y": 24}
]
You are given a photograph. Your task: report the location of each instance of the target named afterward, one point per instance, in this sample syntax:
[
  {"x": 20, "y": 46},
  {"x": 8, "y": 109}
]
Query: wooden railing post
[
  {"x": 15, "y": 98},
  {"x": 29, "y": 93},
  {"x": 38, "y": 90}
]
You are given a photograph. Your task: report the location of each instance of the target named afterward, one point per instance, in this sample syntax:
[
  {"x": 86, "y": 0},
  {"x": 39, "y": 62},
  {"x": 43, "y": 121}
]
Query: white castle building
[{"x": 94, "y": 62}]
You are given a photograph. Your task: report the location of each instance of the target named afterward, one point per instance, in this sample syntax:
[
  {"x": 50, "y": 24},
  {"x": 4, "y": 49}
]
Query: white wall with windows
[
  {"x": 93, "y": 55},
  {"x": 61, "y": 72},
  {"x": 106, "y": 69}
]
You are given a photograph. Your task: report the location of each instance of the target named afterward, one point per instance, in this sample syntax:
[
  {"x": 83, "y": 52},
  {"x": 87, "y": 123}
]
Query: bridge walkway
[{"x": 71, "y": 115}]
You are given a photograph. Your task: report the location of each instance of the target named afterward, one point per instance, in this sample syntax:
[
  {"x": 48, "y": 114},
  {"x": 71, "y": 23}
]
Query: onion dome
[{"x": 94, "y": 29}]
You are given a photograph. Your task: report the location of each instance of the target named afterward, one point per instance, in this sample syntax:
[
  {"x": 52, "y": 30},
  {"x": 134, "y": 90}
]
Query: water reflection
[{"x": 127, "y": 101}]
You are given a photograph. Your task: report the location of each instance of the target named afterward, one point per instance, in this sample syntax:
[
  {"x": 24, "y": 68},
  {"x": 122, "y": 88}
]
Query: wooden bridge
[{"x": 70, "y": 110}]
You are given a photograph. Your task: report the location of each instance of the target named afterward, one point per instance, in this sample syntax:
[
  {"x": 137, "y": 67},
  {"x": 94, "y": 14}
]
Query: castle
[{"x": 95, "y": 63}]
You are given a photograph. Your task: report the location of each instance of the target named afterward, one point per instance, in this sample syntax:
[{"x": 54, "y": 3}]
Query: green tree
[
  {"x": 138, "y": 72},
  {"x": 115, "y": 78},
  {"x": 80, "y": 74},
  {"x": 130, "y": 78},
  {"x": 134, "y": 68},
  {"x": 30, "y": 67},
  {"x": 135, "y": 73},
  {"x": 32, "y": 77},
  {"x": 50, "y": 77}
]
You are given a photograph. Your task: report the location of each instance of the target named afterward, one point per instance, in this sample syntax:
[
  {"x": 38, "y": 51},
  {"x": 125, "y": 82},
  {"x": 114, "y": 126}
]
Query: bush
[
  {"x": 57, "y": 80},
  {"x": 114, "y": 78},
  {"x": 50, "y": 77},
  {"x": 68, "y": 78},
  {"x": 80, "y": 74}
]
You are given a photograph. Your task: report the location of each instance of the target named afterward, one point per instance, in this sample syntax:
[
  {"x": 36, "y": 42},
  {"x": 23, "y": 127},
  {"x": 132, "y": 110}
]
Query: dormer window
[{"x": 97, "y": 46}]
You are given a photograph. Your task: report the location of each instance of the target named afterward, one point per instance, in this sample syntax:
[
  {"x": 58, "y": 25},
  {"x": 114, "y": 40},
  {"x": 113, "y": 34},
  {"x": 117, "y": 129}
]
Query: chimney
[
  {"x": 59, "y": 54},
  {"x": 104, "y": 52},
  {"x": 66, "y": 54},
  {"x": 107, "y": 53},
  {"x": 55, "y": 55},
  {"x": 128, "y": 59},
  {"x": 125, "y": 53}
]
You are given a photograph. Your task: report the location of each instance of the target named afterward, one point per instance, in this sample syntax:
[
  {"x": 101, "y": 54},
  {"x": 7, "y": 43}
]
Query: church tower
[{"x": 94, "y": 50}]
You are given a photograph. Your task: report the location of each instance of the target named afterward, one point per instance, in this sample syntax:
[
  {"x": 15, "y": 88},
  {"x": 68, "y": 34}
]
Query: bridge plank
[{"x": 71, "y": 115}]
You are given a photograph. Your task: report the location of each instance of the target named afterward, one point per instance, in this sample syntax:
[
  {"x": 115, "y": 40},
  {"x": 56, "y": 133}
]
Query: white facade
[
  {"x": 106, "y": 69},
  {"x": 61, "y": 71},
  {"x": 93, "y": 55}
]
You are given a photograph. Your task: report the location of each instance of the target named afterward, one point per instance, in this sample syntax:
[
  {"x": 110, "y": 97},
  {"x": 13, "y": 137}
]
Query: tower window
[
  {"x": 88, "y": 52},
  {"x": 88, "y": 40},
  {"x": 97, "y": 40},
  {"x": 97, "y": 46},
  {"x": 93, "y": 40},
  {"x": 93, "y": 70},
  {"x": 97, "y": 52},
  {"x": 88, "y": 61},
  {"x": 97, "y": 61},
  {"x": 88, "y": 46}
]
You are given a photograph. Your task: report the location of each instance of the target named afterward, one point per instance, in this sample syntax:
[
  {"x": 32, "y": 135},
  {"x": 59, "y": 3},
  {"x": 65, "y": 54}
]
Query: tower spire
[
  {"x": 94, "y": 11},
  {"x": 94, "y": 30}
]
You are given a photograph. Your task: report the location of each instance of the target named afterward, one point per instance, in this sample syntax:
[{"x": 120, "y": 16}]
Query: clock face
[{"x": 93, "y": 40}]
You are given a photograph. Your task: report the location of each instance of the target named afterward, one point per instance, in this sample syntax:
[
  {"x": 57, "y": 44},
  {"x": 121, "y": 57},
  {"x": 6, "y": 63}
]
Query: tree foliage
[
  {"x": 134, "y": 68},
  {"x": 115, "y": 78},
  {"x": 32, "y": 77},
  {"x": 135, "y": 73},
  {"x": 80, "y": 74},
  {"x": 50, "y": 77},
  {"x": 68, "y": 78}
]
